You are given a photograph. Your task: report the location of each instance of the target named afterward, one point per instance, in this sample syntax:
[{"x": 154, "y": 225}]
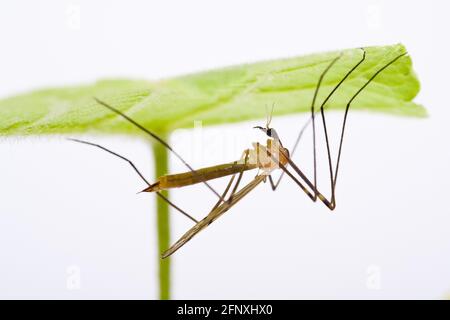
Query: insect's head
[{"x": 270, "y": 132}]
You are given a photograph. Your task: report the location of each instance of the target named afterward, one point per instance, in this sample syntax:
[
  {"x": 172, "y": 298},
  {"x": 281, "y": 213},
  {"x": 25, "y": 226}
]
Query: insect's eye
[{"x": 272, "y": 133}]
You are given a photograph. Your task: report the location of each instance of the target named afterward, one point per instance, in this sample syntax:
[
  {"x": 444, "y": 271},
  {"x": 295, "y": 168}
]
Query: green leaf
[{"x": 219, "y": 96}]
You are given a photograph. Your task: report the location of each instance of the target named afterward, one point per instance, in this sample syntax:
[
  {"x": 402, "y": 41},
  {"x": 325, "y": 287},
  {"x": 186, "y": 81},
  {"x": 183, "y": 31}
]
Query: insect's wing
[{"x": 213, "y": 215}]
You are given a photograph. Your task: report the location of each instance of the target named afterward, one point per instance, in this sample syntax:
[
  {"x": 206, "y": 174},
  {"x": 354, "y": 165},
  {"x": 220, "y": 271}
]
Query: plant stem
[{"x": 161, "y": 160}]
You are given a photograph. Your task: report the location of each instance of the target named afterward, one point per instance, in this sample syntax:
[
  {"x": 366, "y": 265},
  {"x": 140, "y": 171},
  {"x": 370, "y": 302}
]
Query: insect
[{"x": 265, "y": 158}]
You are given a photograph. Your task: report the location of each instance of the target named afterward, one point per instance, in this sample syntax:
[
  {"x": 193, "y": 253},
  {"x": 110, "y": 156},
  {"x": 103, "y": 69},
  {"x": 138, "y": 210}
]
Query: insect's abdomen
[{"x": 200, "y": 175}]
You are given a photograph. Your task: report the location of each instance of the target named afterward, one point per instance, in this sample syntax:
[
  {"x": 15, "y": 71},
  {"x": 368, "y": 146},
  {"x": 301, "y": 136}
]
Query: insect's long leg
[
  {"x": 316, "y": 91},
  {"x": 313, "y": 112},
  {"x": 311, "y": 194},
  {"x": 220, "y": 208},
  {"x": 333, "y": 176},
  {"x": 213, "y": 215},
  {"x": 310, "y": 120},
  {"x": 297, "y": 170},
  {"x": 331, "y": 204},
  {"x": 322, "y": 113},
  {"x": 317, "y": 193},
  {"x": 114, "y": 154},
  {"x": 176, "y": 207},
  {"x": 348, "y": 107},
  {"x": 224, "y": 194},
  {"x": 239, "y": 177},
  {"x": 301, "y": 185},
  {"x": 330, "y": 165},
  {"x": 138, "y": 172},
  {"x": 157, "y": 138}
]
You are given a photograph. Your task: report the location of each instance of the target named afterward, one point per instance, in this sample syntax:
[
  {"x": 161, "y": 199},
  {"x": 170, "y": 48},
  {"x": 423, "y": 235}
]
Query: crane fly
[{"x": 265, "y": 158}]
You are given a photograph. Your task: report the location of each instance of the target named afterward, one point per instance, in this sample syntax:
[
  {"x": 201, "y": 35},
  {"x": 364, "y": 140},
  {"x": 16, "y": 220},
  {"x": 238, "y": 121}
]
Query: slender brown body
[
  {"x": 265, "y": 158},
  {"x": 204, "y": 174}
]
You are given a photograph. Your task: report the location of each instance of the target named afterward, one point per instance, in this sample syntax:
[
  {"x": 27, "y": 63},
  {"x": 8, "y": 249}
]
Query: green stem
[{"x": 161, "y": 160}]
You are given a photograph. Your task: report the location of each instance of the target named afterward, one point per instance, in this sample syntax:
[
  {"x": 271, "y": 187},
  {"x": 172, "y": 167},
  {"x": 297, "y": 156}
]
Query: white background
[{"x": 68, "y": 209}]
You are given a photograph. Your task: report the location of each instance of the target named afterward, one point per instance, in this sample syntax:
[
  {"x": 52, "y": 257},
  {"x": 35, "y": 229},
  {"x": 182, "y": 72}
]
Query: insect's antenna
[
  {"x": 269, "y": 120},
  {"x": 154, "y": 136},
  {"x": 113, "y": 153},
  {"x": 348, "y": 106},
  {"x": 137, "y": 171}
]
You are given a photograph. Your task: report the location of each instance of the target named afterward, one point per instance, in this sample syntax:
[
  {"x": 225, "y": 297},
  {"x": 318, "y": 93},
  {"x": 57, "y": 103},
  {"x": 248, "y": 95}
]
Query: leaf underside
[{"x": 225, "y": 95}]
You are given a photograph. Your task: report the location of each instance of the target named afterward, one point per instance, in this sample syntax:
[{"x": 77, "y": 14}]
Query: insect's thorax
[{"x": 268, "y": 157}]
